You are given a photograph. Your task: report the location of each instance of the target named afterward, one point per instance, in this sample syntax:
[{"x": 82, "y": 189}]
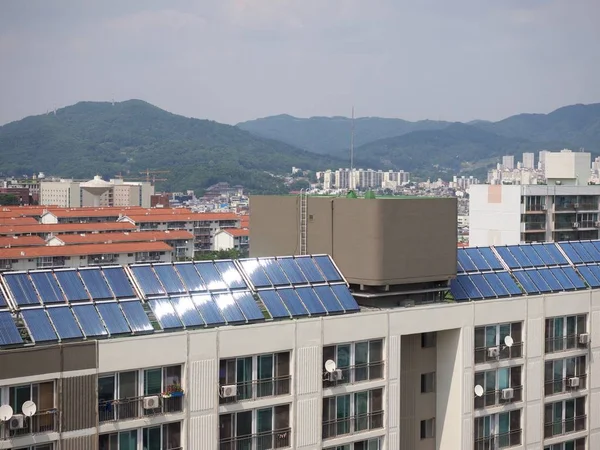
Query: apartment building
[{"x": 47, "y": 230}]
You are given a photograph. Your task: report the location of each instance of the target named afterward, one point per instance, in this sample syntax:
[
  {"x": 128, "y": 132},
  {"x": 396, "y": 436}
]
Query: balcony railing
[
  {"x": 564, "y": 385},
  {"x": 565, "y": 426},
  {"x": 588, "y": 206},
  {"x": 564, "y": 206},
  {"x": 356, "y": 374},
  {"x": 251, "y": 390},
  {"x": 485, "y": 354},
  {"x": 133, "y": 408},
  {"x": 260, "y": 441},
  {"x": 535, "y": 226},
  {"x": 353, "y": 424},
  {"x": 535, "y": 207},
  {"x": 41, "y": 422},
  {"x": 496, "y": 441},
  {"x": 493, "y": 398},
  {"x": 563, "y": 343}
]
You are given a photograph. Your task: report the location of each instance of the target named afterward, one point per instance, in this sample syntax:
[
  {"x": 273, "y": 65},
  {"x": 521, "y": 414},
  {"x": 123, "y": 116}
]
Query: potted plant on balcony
[{"x": 173, "y": 390}]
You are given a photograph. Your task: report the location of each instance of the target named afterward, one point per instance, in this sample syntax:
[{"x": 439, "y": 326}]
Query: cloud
[{"x": 160, "y": 20}]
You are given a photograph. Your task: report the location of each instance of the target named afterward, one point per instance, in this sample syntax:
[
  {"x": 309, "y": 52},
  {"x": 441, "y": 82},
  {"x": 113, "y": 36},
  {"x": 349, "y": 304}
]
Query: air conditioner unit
[
  {"x": 336, "y": 375},
  {"x": 575, "y": 224},
  {"x": 544, "y": 207},
  {"x": 151, "y": 402},
  {"x": 584, "y": 338},
  {"x": 493, "y": 352},
  {"x": 597, "y": 224},
  {"x": 508, "y": 393},
  {"x": 229, "y": 391},
  {"x": 16, "y": 422},
  {"x": 573, "y": 382},
  {"x": 576, "y": 205}
]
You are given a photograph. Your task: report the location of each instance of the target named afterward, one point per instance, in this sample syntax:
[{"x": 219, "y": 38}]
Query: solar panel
[
  {"x": 465, "y": 261},
  {"x": 39, "y": 325},
  {"x": 328, "y": 268},
  {"x": 545, "y": 256},
  {"x": 293, "y": 302},
  {"x": 592, "y": 250},
  {"x": 231, "y": 275},
  {"x": 573, "y": 277},
  {"x": 562, "y": 278},
  {"x": 459, "y": 267},
  {"x": 190, "y": 277},
  {"x": 147, "y": 280},
  {"x": 596, "y": 245},
  {"x": 136, "y": 316},
  {"x": 490, "y": 258},
  {"x": 311, "y": 301},
  {"x": 184, "y": 306},
  {"x": 570, "y": 252},
  {"x": 310, "y": 269},
  {"x": 589, "y": 276},
  {"x": 211, "y": 276},
  {"x": 550, "y": 280},
  {"x": 165, "y": 313},
  {"x": 64, "y": 322},
  {"x": 292, "y": 271},
  {"x": 273, "y": 303},
  {"x": 256, "y": 273},
  {"x": 495, "y": 283},
  {"x": 113, "y": 318},
  {"x": 329, "y": 300},
  {"x": 477, "y": 259},
  {"x": 469, "y": 287},
  {"x": 509, "y": 283},
  {"x": 508, "y": 258},
  {"x": 457, "y": 291},
  {"x": 482, "y": 286},
  {"x": 345, "y": 297},
  {"x": 520, "y": 256},
  {"x": 538, "y": 281},
  {"x": 22, "y": 289},
  {"x": 96, "y": 284},
  {"x": 246, "y": 302},
  {"x": 90, "y": 321},
  {"x": 169, "y": 278},
  {"x": 47, "y": 287},
  {"x": 208, "y": 309},
  {"x": 118, "y": 282},
  {"x": 71, "y": 285},
  {"x": 553, "y": 250},
  {"x": 274, "y": 271},
  {"x": 532, "y": 255},
  {"x": 525, "y": 281},
  {"x": 9, "y": 334},
  {"x": 229, "y": 309},
  {"x": 581, "y": 249}
]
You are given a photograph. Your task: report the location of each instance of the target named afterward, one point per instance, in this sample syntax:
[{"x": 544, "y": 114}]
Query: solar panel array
[
  {"x": 514, "y": 270},
  {"x": 97, "y": 302}
]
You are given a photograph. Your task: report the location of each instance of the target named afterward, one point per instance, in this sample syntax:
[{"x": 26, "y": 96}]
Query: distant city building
[
  {"x": 508, "y": 162},
  {"x": 463, "y": 183},
  {"x": 362, "y": 179},
  {"x": 542, "y": 159},
  {"x": 529, "y": 161}
]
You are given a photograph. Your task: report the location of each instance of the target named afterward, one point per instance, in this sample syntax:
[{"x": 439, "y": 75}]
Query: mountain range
[{"x": 91, "y": 138}]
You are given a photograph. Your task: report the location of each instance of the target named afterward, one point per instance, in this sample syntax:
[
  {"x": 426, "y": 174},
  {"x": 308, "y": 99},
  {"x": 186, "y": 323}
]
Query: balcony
[
  {"x": 533, "y": 226},
  {"x": 356, "y": 374},
  {"x": 351, "y": 425},
  {"x": 564, "y": 206},
  {"x": 565, "y": 385},
  {"x": 260, "y": 441},
  {"x": 567, "y": 426},
  {"x": 500, "y": 440},
  {"x": 495, "y": 398},
  {"x": 587, "y": 206},
  {"x": 486, "y": 354},
  {"x": 133, "y": 408},
  {"x": 535, "y": 208},
  {"x": 41, "y": 422},
  {"x": 252, "y": 390},
  {"x": 563, "y": 343}
]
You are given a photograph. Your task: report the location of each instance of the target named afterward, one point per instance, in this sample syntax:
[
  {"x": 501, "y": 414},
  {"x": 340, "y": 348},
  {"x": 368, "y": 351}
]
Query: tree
[
  {"x": 9, "y": 200},
  {"x": 231, "y": 253}
]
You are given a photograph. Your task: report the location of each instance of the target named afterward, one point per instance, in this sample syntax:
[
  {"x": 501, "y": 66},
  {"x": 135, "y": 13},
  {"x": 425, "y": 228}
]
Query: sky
[{"x": 236, "y": 60}]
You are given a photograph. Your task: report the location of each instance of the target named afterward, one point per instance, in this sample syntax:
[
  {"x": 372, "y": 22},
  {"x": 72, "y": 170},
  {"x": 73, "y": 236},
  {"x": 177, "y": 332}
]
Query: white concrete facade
[{"x": 568, "y": 168}]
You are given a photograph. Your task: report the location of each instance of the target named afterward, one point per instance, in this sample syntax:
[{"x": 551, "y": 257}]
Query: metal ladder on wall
[{"x": 303, "y": 221}]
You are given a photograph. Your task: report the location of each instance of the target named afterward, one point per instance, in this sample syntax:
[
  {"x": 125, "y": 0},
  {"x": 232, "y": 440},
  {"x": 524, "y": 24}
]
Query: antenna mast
[{"x": 351, "y": 184}]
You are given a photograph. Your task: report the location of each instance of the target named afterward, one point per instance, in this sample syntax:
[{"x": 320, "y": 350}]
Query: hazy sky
[{"x": 233, "y": 60}]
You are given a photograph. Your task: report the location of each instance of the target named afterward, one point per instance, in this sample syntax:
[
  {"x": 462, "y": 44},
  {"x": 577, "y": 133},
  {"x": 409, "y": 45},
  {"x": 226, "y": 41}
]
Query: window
[
  {"x": 564, "y": 417},
  {"x": 264, "y": 428},
  {"x": 160, "y": 437},
  {"x": 256, "y": 376},
  {"x": 490, "y": 345},
  {"x": 368, "y": 444},
  {"x": 577, "y": 444},
  {"x": 427, "y": 382},
  {"x": 49, "y": 446},
  {"x": 42, "y": 394},
  {"x": 562, "y": 375},
  {"x": 495, "y": 384},
  {"x": 562, "y": 333},
  {"x": 498, "y": 430},
  {"x": 358, "y": 361},
  {"x": 352, "y": 413},
  {"x": 121, "y": 395},
  {"x": 427, "y": 428},
  {"x": 428, "y": 340}
]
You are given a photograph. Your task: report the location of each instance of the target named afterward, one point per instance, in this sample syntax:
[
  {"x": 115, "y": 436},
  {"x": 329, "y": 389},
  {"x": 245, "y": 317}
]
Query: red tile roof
[
  {"x": 136, "y": 236},
  {"x": 192, "y": 217},
  {"x": 82, "y": 250},
  {"x": 18, "y": 221},
  {"x": 64, "y": 228},
  {"x": 236, "y": 232},
  {"x": 21, "y": 241}
]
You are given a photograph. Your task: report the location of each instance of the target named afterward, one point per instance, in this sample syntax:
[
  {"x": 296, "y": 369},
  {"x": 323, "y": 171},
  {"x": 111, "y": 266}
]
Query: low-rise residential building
[
  {"x": 47, "y": 230},
  {"x": 232, "y": 238},
  {"x": 21, "y": 241}
]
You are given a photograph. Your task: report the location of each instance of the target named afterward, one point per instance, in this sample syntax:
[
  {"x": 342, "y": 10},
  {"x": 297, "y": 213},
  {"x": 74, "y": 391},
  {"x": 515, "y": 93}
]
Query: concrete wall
[
  {"x": 398, "y": 240},
  {"x": 494, "y": 215}
]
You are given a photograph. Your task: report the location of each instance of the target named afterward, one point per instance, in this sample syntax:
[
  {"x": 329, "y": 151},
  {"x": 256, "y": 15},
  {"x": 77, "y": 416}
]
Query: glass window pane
[
  {"x": 264, "y": 420},
  {"x": 151, "y": 438},
  {"x": 128, "y": 440},
  {"x": 152, "y": 381}
]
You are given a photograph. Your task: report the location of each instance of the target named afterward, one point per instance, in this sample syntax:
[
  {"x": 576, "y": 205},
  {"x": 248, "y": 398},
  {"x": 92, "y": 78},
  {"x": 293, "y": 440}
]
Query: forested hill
[{"x": 91, "y": 138}]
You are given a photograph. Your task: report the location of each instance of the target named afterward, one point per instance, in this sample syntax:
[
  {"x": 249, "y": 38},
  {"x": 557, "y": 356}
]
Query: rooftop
[
  {"x": 83, "y": 250},
  {"x": 135, "y": 236},
  {"x": 193, "y": 217},
  {"x": 21, "y": 241},
  {"x": 235, "y": 232},
  {"x": 64, "y": 228}
]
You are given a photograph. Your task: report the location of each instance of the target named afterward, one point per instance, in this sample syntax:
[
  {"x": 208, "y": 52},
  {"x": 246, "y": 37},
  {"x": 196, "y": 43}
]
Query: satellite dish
[
  {"x": 6, "y": 412},
  {"x": 508, "y": 341},
  {"x": 330, "y": 365},
  {"x": 478, "y": 390},
  {"x": 29, "y": 408}
]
